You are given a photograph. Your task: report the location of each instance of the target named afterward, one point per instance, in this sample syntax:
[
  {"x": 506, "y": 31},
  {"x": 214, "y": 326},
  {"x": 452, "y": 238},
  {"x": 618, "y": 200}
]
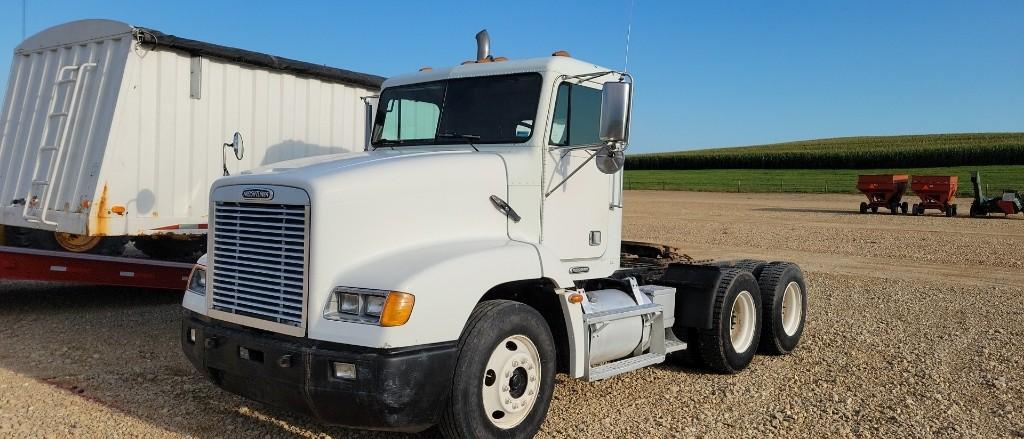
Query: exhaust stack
[{"x": 483, "y": 46}]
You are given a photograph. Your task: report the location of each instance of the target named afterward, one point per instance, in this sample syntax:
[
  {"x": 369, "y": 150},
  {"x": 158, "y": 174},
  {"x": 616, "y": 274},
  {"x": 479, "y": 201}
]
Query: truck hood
[{"x": 334, "y": 162}]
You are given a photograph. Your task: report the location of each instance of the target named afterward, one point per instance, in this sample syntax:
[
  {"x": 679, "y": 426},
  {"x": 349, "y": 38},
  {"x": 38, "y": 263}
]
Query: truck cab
[{"x": 443, "y": 276}]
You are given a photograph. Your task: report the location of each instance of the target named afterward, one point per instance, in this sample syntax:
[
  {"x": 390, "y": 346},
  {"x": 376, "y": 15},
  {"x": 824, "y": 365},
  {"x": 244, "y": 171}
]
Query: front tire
[{"x": 504, "y": 376}]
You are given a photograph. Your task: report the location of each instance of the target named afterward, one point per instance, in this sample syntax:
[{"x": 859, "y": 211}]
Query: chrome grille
[{"x": 259, "y": 260}]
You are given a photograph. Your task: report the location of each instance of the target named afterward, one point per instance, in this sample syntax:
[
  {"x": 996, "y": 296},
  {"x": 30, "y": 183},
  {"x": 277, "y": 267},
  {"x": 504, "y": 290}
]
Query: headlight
[
  {"x": 197, "y": 281},
  {"x": 377, "y": 307}
]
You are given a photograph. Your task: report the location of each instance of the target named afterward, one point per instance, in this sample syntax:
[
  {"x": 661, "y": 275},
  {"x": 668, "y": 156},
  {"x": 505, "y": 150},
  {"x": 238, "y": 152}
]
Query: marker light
[{"x": 397, "y": 309}]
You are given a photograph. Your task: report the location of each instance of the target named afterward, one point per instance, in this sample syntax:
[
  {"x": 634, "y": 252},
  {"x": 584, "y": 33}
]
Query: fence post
[
  {"x": 737, "y": 186},
  {"x": 826, "y": 187},
  {"x": 780, "y": 185}
]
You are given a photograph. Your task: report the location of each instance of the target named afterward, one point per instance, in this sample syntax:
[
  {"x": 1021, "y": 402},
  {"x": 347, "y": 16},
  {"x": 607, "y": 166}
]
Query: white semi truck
[{"x": 445, "y": 277}]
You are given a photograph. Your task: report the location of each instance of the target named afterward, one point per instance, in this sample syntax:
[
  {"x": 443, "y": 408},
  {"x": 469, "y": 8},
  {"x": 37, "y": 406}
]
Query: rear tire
[
  {"x": 863, "y": 207},
  {"x": 170, "y": 249},
  {"x": 903, "y": 207},
  {"x": 730, "y": 344},
  {"x": 784, "y": 299},
  {"x": 914, "y": 211},
  {"x": 754, "y": 266},
  {"x": 66, "y": 242},
  {"x": 874, "y": 209},
  {"x": 504, "y": 376}
]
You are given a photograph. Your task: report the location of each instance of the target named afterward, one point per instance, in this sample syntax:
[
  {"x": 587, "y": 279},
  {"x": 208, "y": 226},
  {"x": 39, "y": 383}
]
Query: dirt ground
[{"x": 914, "y": 330}]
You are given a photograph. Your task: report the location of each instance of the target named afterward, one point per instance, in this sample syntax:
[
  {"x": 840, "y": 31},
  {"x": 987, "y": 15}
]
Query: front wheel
[{"x": 504, "y": 376}]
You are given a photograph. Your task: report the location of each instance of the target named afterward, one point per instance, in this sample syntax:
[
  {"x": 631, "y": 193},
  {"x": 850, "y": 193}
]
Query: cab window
[{"x": 577, "y": 115}]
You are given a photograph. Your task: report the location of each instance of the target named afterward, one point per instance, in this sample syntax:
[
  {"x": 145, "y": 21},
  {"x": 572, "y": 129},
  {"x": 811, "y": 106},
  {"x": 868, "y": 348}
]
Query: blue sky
[{"x": 708, "y": 73}]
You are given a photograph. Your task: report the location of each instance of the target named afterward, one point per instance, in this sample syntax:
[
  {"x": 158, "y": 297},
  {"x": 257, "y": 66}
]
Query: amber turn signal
[
  {"x": 118, "y": 209},
  {"x": 397, "y": 309},
  {"x": 575, "y": 298}
]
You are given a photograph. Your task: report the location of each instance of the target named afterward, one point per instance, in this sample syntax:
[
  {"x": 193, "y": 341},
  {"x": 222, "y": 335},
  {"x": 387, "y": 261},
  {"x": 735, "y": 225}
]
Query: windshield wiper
[{"x": 469, "y": 138}]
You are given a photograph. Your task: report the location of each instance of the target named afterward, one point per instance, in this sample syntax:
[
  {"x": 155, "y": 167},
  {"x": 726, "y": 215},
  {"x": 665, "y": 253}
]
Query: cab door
[{"x": 577, "y": 215}]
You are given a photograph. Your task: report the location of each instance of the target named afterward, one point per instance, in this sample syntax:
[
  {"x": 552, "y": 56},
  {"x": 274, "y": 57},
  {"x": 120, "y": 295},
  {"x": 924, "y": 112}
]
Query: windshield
[{"x": 489, "y": 109}]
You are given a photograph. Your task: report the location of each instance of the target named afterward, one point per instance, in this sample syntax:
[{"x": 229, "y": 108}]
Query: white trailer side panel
[{"x": 166, "y": 146}]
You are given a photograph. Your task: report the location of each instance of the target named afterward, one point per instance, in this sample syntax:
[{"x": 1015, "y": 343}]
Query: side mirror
[
  {"x": 238, "y": 146},
  {"x": 616, "y": 98}
]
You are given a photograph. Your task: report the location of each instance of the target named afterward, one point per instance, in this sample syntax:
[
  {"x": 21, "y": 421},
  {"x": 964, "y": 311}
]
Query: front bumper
[{"x": 394, "y": 389}]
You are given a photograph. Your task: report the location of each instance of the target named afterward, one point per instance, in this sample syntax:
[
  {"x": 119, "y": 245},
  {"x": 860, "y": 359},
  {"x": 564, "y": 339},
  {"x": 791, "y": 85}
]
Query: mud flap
[{"x": 695, "y": 293}]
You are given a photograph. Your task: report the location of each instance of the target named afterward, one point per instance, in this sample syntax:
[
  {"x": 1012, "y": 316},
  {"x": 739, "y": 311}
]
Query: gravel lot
[{"x": 914, "y": 330}]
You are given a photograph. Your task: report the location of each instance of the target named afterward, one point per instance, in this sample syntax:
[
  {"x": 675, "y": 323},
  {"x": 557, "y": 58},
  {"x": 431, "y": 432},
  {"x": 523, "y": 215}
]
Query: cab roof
[{"x": 558, "y": 64}]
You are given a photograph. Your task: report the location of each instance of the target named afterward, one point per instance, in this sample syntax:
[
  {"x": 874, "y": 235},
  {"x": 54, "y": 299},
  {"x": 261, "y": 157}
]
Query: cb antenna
[
  {"x": 23, "y": 20},
  {"x": 629, "y": 28}
]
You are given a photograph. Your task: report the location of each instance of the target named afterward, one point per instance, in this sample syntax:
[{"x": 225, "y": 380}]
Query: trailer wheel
[
  {"x": 504, "y": 376},
  {"x": 863, "y": 207},
  {"x": 954, "y": 210},
  {"x": 976, "y": 211},
  {"x": 730, "y": 344},
  {"x": 903, "y": 207},
  {"x": 59, "y": 241},
  {"x": 170, "y": 249},
  {"x": 874, "y": 209},
  {"x": 894, "y": 208},
  {"x": 784, "y": 296},
  {"x": 950, "y": 211}
]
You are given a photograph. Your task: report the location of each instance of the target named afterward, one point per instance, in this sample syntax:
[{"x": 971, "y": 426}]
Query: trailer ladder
[{"x": 58, "y": 129}]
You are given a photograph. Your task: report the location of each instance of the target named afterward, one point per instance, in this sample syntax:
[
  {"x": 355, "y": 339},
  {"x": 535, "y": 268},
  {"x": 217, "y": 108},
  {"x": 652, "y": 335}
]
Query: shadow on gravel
[
  {"x": 808, "y": 210},
  {"x": 119, "y": 347}
]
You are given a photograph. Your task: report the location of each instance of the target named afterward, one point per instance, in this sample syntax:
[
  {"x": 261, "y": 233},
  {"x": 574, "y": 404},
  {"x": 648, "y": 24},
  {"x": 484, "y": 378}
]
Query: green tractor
[{"x": 1008, "y": 204}]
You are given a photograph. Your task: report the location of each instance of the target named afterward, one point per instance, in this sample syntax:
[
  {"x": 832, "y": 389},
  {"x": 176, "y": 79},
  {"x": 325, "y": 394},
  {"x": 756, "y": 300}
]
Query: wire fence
[{"x": 739, "y": 186}]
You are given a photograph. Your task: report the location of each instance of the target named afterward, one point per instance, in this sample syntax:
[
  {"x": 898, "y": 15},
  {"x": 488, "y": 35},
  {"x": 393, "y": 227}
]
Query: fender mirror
[
  {"x": 237, "y": 146},
  {"x": 616, "y": 99}
]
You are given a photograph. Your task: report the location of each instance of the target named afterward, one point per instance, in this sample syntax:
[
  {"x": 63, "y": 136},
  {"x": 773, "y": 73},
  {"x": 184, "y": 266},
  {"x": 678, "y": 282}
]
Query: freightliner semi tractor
[{"x": 442, "y": 278}]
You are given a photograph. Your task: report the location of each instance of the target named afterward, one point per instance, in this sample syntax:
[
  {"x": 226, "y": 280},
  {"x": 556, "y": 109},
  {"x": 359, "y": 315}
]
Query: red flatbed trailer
[{"x": 41, "y": 265}]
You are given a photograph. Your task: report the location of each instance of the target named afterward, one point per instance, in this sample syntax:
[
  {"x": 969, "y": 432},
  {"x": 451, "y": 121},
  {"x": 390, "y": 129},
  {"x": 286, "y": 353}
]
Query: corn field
[{"x": 941, "y": 150}]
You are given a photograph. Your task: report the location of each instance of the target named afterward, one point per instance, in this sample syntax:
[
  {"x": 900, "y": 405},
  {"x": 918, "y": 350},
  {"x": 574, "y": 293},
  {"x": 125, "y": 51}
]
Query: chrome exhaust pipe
[{"x": 483, "y": 46}]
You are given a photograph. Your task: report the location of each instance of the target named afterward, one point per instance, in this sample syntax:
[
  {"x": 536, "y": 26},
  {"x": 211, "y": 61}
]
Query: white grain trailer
[{"x": 111, "y": 132}]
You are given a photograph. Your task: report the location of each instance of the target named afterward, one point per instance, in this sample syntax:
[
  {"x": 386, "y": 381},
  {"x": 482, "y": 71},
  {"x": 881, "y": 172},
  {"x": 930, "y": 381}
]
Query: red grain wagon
[
  {"x": 936, "y": 192},
  {"x": 883, "y": 191}
]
